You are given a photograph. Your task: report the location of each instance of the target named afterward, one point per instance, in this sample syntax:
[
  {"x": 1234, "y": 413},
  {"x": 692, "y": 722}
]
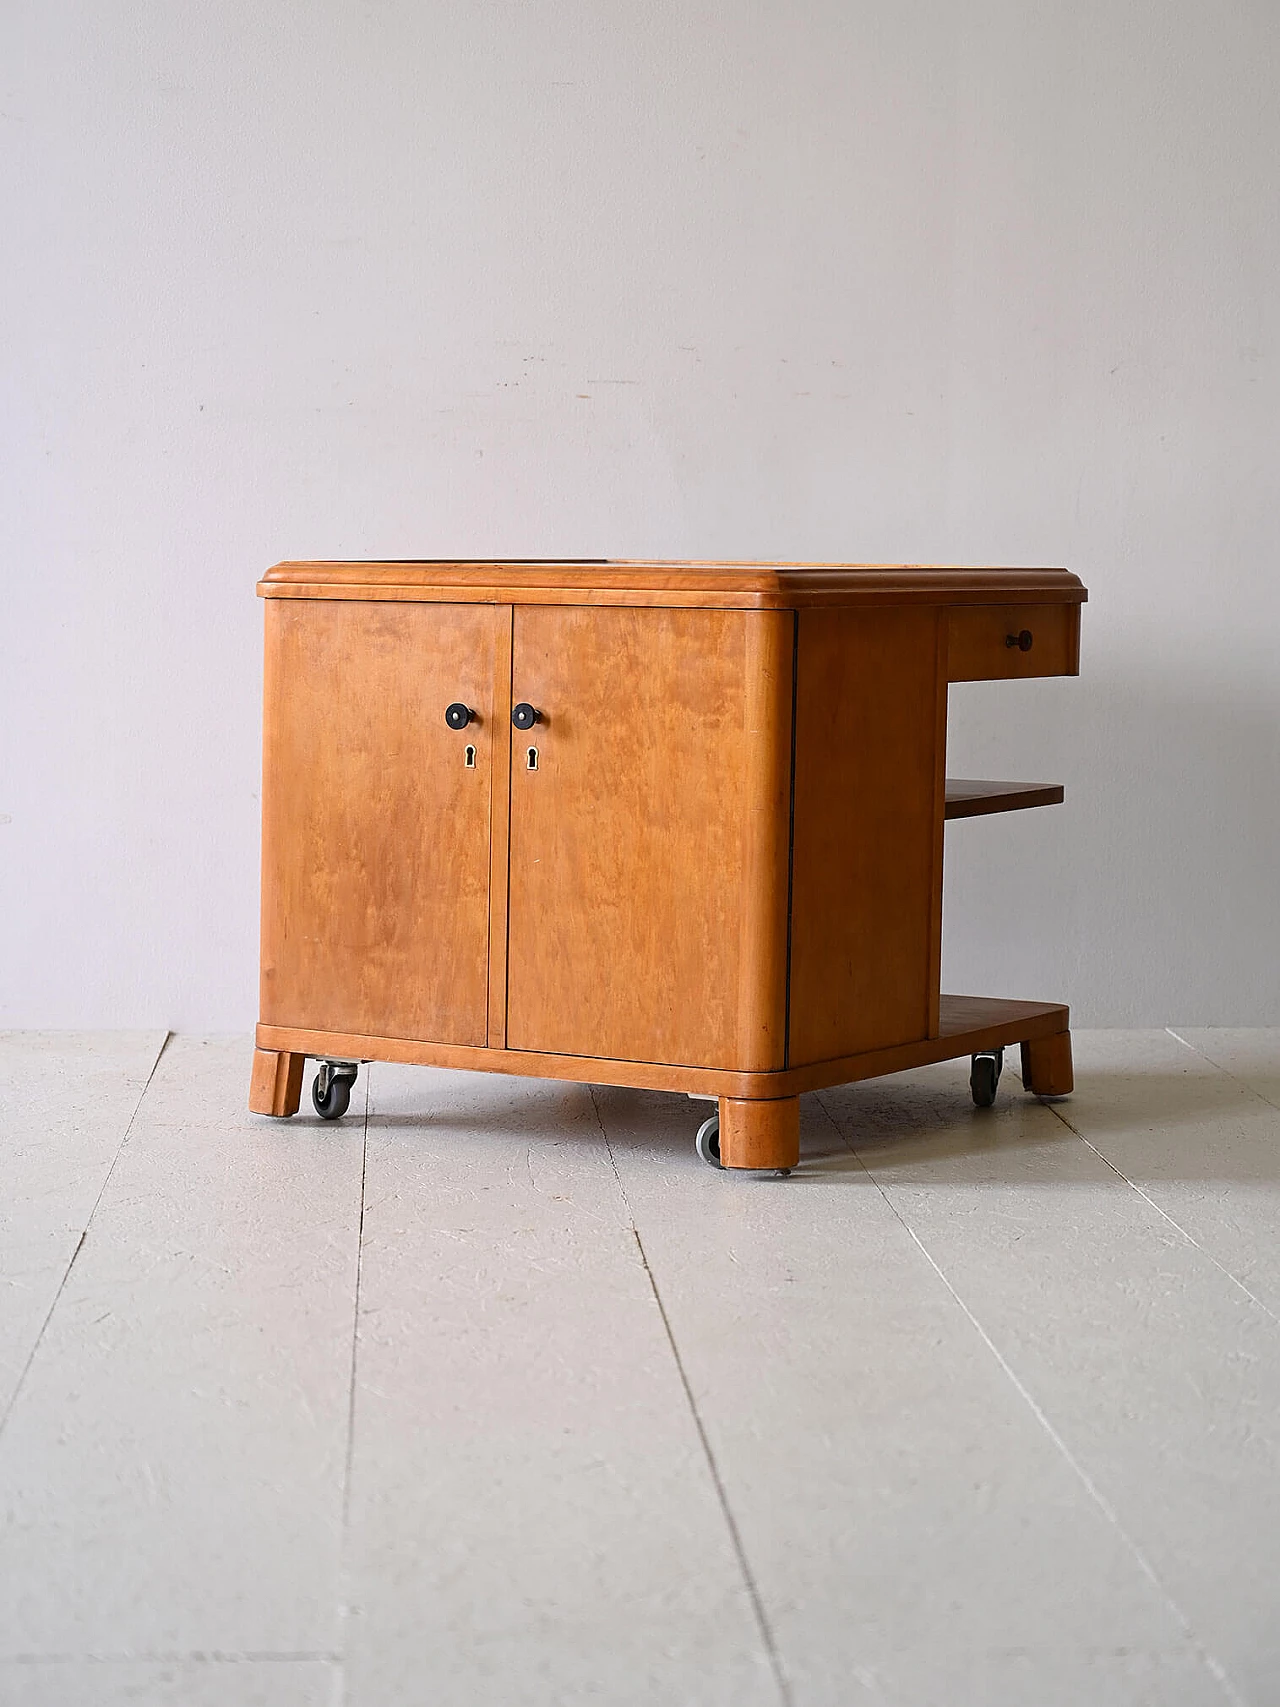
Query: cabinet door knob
[
  {"x": 1021, "y": 641},
  {"x": 524, "y": 716},
  {"x": 457, "y": 715}
]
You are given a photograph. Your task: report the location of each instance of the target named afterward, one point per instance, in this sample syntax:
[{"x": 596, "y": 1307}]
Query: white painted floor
[{"x": 494, "y": 1394}]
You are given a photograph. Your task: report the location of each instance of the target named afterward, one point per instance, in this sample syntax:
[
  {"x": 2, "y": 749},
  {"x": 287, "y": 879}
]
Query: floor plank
[
  {"x": 1252, "y": 1057},
  {"x": 168, "y": 1683},
  {"x": 66, "y": 1100},
  {"x": 1200, "y": 1138},
  {"x": 172, "y": 1472},
  {"x": 1160, "y": 1377},
  {"x": 990, "y": 1401},
  {"x": 916, "y": 1535},
  {"x": 532, "y": 1516}
]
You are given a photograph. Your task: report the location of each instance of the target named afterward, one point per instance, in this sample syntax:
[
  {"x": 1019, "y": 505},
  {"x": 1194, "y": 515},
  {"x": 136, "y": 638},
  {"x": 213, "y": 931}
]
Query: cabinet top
[{"x": 614, "y": 581}]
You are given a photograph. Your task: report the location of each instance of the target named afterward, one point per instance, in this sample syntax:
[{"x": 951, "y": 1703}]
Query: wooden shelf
[
  {"x": 986, "y": 1022},
  {"x": 967, "y": 798}
]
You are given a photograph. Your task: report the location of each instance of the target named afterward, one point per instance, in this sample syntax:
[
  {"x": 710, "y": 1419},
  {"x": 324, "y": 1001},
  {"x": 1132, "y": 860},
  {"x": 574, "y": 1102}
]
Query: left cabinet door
[{"x": 375, "y": 825}]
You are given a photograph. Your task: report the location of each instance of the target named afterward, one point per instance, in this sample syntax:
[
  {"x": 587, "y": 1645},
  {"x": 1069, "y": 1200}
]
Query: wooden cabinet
[{"x": 665, "y": 825}]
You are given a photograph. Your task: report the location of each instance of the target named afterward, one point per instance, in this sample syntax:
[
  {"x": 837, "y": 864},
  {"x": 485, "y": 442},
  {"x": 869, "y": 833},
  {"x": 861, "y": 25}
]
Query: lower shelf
[
  {"x": 967, "y": 1024},
  {"x": 968, "y": 798}
]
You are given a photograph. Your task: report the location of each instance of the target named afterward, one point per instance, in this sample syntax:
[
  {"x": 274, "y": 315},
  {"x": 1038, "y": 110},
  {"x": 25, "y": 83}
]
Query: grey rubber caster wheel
[
  {"x": 984, "y": 1076},
  {"x": 708, "y": 1141},
  {"x": 331, "y": 1088}
]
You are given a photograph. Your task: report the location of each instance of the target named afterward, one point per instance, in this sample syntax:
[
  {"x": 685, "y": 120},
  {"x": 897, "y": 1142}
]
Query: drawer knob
[
  {"x": 1021, "y": 641},
  {"x": 457, "y": 715},
  {"x": 524, "y": 716}
]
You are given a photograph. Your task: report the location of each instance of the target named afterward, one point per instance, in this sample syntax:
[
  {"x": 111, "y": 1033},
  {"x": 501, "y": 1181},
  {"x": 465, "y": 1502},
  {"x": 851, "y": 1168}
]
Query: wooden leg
[
  {"x": 759, "y": 1134},
  {"x": 276, "y": 1085},
  {"x": 1046, "y": 1065}
]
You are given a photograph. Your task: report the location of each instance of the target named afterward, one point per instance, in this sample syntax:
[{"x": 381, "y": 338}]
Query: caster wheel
[
  {"x": 984, "y": 1076},
  {"x": 708, "y": 1141},
  {"x": 331, "y": 1088}
]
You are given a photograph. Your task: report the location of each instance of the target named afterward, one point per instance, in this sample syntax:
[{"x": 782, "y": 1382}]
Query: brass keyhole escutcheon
[
  {"x": 531, "y": 759},
  {"x": 471, "y": 758}
]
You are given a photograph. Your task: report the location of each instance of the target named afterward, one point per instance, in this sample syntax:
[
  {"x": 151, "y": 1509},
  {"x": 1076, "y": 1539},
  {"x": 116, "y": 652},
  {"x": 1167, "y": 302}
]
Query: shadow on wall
[{"x": 1151, "y": 896}]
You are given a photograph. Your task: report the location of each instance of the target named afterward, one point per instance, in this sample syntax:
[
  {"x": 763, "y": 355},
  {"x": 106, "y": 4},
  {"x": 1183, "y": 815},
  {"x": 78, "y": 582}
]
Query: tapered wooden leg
[
  {"x": 276, "y": 1085},
  {"x": 1046, "y": 1066},
  {"x": 759, "y": 1134}
]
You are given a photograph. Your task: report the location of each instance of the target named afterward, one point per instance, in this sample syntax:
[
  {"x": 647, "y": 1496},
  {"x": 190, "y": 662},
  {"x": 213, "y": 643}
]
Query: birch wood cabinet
[{"x": 671, "y": 825}]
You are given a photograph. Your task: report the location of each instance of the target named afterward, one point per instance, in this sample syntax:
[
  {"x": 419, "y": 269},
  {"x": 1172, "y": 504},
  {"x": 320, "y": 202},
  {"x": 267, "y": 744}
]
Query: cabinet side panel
[
  {"x": 375, "y": 830},
  {"x": 648, "y": 848},
  {"x": 868, "y": 798}
]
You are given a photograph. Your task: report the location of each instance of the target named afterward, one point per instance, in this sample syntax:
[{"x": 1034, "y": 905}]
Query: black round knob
[
  {"x": 457, "y": 715},
  {"x": 1021, "y": 641},
  {"x": 524, "y": 716}
]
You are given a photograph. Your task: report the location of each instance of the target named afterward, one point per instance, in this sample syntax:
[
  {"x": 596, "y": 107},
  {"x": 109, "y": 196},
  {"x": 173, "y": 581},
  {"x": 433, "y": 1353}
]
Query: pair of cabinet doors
[{"x": 609, "y": 883}]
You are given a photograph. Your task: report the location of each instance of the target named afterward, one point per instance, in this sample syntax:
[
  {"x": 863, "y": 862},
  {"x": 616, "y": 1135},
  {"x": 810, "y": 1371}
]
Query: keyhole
[
  {"x": 471, "y": 758},
  {"x": 532, "y": 760}
]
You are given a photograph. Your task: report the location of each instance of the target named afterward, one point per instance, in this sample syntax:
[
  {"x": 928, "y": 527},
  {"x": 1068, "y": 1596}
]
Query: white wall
[{"x": 873, "y": 279}]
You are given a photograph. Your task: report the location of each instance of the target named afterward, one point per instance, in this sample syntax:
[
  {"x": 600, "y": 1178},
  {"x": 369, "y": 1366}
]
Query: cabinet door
[
  {"x": 648, "y": 854},
  {"x": 375, "y": 888}
]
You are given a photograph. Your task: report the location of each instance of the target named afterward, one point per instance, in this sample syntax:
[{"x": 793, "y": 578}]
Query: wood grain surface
[
  {"x": 760, "y": 1133},
  {"x": 705, "y": 883},
  {"x": 968, "y": 1023},
  {"x": 867, "y": 848},
  {"x": 500, "y": 749},
  {"x": 979, "y": 647},
  {"x": 765, "y": 586},
  {"x": 375, "y": 875},
  {"x": 275, "y": 1085},
  {"x": 649, "y": 848},
  {"x": 967, "y": 797},
  {"x": 1046, "y": 1065}
]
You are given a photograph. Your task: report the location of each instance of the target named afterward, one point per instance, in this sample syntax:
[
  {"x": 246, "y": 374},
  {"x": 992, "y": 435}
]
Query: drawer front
[{"x": 993, "y": 642}]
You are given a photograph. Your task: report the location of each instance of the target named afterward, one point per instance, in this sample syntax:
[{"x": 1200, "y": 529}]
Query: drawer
[{"x": 992, "y": 642}]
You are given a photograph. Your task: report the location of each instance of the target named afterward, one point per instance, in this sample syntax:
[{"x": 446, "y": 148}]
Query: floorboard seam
[
  {"x": 349, "y": 1459},
  {"x": 1226, "y": 1071},
  {"x": 731, "y": 1523},
  {"x": 1165, "y": 1216},
  {"x": 80, "y": 1242},
  {"x": 1108, "y": 1511}
]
